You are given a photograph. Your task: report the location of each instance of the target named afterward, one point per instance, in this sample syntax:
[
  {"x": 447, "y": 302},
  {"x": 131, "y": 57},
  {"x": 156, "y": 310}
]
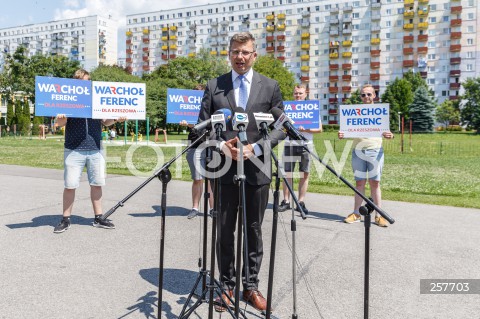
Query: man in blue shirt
[{"x": 83, "y": 148}]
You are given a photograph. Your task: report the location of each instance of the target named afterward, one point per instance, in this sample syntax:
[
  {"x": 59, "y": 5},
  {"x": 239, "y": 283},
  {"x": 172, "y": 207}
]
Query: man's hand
[
  {"x": 248, "y": 151},
  {"x": 230, "y": 148},
  {"x": 388, "y": 135},
  {"x": 340, "y": 134}
]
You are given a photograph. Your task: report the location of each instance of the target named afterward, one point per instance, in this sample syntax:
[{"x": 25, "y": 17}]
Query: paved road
[{"x": 95, "y": 273}]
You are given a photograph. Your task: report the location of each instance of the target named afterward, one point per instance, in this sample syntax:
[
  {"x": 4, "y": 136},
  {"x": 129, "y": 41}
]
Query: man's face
[
  {"x": 367, "y": 95},
  {"x": 242, "y": 56},
  {"x": 299, "y": 94}
]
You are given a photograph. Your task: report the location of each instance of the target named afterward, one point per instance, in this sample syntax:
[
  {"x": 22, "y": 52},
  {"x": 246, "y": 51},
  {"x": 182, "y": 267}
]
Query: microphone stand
[
  {"x": 276, "y": 197},
  {"x": 165, "y": 176},
  {"x": 366, "y": 211}
]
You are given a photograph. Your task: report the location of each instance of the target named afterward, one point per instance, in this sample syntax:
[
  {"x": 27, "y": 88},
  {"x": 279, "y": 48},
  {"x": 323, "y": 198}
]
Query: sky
[{"x": 24, "y": 12}]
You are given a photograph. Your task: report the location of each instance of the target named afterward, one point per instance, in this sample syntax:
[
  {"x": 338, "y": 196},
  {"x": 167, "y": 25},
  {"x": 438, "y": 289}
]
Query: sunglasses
[{"x": 367, "y": 94}]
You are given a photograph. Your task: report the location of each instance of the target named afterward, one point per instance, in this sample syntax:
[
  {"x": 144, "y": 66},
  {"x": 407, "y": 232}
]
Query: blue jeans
[{"x": 75, "y": 161}]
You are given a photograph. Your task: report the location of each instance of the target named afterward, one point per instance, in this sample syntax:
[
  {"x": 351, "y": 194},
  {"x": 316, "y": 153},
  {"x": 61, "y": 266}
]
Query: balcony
[
  {"x": 281, "y": 16},
  {"x": 333, "y": 100},
  {"x": 422, "y": 50},
  {"x": 455, "y": 86},
  {"x": 334, "y": 10},
  {"x": 423, "y": 12},
  {"x": 456, "y": 23},
  {"x": 376, "y": 17},
  {"x": 334, "y": 32},
  {"x": 375, "y": 53},
  {"x": 128, "y": 42},
  {"x": 164, "y": 57},
  {"x": 456, "y": 35},
  {"x": 423, "y": 74},
  {"x": 346, "y": 54},
  {"x": 146, "y": 40},
  {"x": 146, "y": 68},
  {"x": 375, "y": 29},
  {"x": 408, "y": 39},
  {"x": 280, "y": 37},
  {"x": 346, "y": 20},
  {"x": 129, "y": 51},
  {"x": 224, "y": 52},
  {"x": 347, "y": 9},
  {"x": 173, "y": 47},
  {"x": 374, "y": 76},
  {"x": 334, "y": 44},
  {"x": 334, "y": 21},
  {"x": 455, "y": 73},
  {"x": 423, "y": 1},
  {"x": 281, "y": 58},
  {"x": 173, "y": 28},
  {"x": 333, "y": 55},
  {"x": 164, "y": 29},
  {"x": 456, "y": 10},
  {"x": 192, "y": 54},
  {"x": 270, "y": 49},
  {"x": 409, "y": 14},
  {"x": 453, "y": 97},
  {"x": 346, "y": 78},
  {"x": 270, "y": 28},
  {"x": 374, "y": 65},
  {"x": 281, "y": 27},
  {"x": 214, "y": 43},
  {"x": 305, "y": 78},
  {"x": 145, "y": 49},
  {"x": 128, "y": 60},
  {"x": 333, "y": 78},
  {"x": 344, "y": 99},
  {"x": 270, "y": 17},
  {"x": 407, "y": 51},
  {"x": 165, "y": 38},
  {"x": 346, "y": 31},
  {"x": 408, "y": 3},
  {"x": 332, "y": 111},
  {"x": 454, "y": 61},
  {"x": 408, "y": 26},
  {"x": 347, "y": 43},
  {"x": 305, "y": 13},
  {"x": 305, "y": 57},
  {"x": 346, "y": 89},
  {"x": 213, "y": 53},
  {"x": 408, "y": 63},
  {"x": 376, "y": 6},
  {"x": 270, "y": 38},
  {"x": 346, "y": 66},
  {"x": 305, "y": 68},
  {"x": 305, "y": 46},
  {"x": 423, "y": 26},
  {"x": 375, "y": 41},
  {"x": 306, "y": 35},
  {"x": 145, "y": 58},
  {"x": 333, "y": 67},
  {"x": 129, "y": 33},
  {"x": 333, "y": 89},
  {"x": 172, "y": 56},
  {"x": 281, "y": 48},
  {"x": 331, "y": 122},
  {"x": 455, "y": 48},
  {"x": 145, "y": 31}
]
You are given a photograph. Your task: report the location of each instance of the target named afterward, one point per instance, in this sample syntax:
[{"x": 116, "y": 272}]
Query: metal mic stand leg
[
  {"x": 366, "y": 211},
  {"x": 165, "y": 176}
]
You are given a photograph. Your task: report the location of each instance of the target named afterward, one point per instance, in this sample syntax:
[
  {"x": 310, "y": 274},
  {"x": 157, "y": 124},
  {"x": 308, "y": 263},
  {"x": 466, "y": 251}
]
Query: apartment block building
[
  {"x": 90, "y": 40},
  {"x": 332, "y": 47}
]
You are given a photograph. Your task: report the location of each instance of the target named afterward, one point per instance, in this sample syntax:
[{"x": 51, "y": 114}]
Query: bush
[{"x": 331, "y": 127}]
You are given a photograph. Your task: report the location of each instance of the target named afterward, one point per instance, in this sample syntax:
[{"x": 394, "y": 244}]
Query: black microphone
[
  {"x": 227, "y": 114},
  {"x": 284, "y": 122},
  {"x": 239, "y": 123}
]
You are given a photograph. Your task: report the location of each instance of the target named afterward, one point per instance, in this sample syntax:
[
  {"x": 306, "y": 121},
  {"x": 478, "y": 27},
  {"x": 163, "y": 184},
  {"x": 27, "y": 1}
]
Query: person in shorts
[{"x": 83, "y": 149}]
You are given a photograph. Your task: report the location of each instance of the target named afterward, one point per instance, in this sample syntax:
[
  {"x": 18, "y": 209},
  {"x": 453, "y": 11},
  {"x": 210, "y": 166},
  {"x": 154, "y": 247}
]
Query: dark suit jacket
[{"x": 264, "y": 95}]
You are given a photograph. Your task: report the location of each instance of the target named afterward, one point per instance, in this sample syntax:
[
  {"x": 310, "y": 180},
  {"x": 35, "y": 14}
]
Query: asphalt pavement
[{"x": 88, "y": 272}]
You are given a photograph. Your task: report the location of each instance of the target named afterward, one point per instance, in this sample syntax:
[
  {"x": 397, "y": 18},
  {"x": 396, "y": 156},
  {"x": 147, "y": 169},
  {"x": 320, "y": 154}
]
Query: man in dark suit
[{"x": 243, "y": 87}]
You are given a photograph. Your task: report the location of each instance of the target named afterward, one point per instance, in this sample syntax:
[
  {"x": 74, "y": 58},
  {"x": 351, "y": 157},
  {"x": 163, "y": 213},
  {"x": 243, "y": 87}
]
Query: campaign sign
[
  {"x": 71, "y": 97},
  {"x": 183, "y": 105},
  {"x": 303, "y": 113},
  {"x": 364, "y": 120},
  {"x": 111, "y": 100}
]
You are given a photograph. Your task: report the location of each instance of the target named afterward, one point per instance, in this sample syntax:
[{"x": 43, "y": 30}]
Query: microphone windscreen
[{"x": 226, "y": 112}]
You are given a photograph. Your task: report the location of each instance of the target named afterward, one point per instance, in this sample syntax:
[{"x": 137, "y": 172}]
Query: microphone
[
  {"x": 284, "y": 122},
  {"x": 263, "y": 120},
  {"x": 220, "y": 117},
  {"x": 239, "y": 123}
]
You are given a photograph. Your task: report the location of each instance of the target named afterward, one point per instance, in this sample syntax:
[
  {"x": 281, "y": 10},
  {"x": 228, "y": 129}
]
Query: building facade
[
  {"x": 332, "y": 47},
  {"x": 90, "y": 40}
]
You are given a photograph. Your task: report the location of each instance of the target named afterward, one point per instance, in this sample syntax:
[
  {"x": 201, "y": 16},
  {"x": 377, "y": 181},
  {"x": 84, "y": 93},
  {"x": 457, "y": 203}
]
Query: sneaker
[
  {"x": 305, "y": 210},
  {"x": 102, "y": 223},
  {"x": 210, "y": 213},
  {"x": 380, "y": 221},
  {"x": 193, "y": 213},
  {"x": 63, "y": 226},
  {"x": 283, "y": 206},
  {"x": 352, "y": 218}
]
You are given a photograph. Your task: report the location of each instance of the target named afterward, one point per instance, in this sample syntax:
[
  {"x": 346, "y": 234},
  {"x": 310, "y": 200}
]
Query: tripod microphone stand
[{"x": 165, "y": 176}]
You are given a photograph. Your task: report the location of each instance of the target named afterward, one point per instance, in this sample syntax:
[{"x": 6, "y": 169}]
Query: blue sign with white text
[
  {"x": 71, "y": 97},
  {"x": 183, "y": 105},
  {"x": 303, "y": 113}
]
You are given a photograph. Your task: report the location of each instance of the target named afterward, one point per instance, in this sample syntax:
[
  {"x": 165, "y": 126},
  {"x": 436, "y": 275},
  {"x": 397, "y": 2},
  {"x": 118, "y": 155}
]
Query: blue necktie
[{"x": 242, "y": 93}]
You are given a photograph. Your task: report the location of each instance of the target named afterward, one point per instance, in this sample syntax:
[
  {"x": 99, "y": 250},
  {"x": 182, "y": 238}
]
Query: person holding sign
[
  {"x": 83, "y": 148},
  {"x": 367, "y": 163},
  {"x": 293, "y": 153}
]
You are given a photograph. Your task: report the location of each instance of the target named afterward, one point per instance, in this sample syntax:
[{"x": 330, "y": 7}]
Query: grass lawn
[{"x": 438, "y": 168}]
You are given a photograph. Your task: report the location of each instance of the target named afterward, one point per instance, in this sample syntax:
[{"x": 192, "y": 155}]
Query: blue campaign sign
[
  {"x": 303, "y": 113},
  {"x": 183, "y": 105},
  {"x": 71, "y": 97}
]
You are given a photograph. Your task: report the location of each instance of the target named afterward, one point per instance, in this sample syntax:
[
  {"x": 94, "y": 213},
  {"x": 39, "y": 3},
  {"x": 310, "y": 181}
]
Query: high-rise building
[
  {"x": 332, "y": 47},
  {"x": 91, "y": 40}
]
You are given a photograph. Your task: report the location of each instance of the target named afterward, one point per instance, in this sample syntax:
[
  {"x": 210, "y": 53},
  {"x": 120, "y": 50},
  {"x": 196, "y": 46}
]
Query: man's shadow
[
  {"x": 170, "y": 211},
  {"x": 314, "y": 215},
  {"x": 51, "y": 220}
]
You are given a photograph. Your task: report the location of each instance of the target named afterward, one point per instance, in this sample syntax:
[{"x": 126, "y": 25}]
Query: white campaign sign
[
  {"x": 364, "y": 120},
  {"x": 111, "y": 100}
]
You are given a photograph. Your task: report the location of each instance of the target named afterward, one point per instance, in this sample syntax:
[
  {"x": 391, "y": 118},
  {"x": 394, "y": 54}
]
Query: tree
[
  {"x": 417, "y": 81},
  {"x": 421, "y": 111},
  {"x": 274, "y": 69},
  {"x": 446, "y": 113},
  {"x": 354, "y": 98},
  {"x": 470, "y": 109},
  {"x": 10, "y": 113},
  {"x": 113, "y": 73},
  {"x": 399, "y": 95}
]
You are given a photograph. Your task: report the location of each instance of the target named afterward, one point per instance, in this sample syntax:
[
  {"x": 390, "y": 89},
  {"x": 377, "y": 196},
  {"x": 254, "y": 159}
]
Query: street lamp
[{"x": 399, "y": 120}]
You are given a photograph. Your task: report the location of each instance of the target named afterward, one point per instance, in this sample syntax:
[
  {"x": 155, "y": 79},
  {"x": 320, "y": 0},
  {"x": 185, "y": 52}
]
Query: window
[
  {"x": 431, "y": 81},
  {"x": 445, "y": 18},
  {"x": 470, "y": 41},
  {"x": 471, "y": 16},
  {"x": 470, "y": 29},
  {"x": 470, "y": 55},
  {"x": 432, "y": 19}
]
